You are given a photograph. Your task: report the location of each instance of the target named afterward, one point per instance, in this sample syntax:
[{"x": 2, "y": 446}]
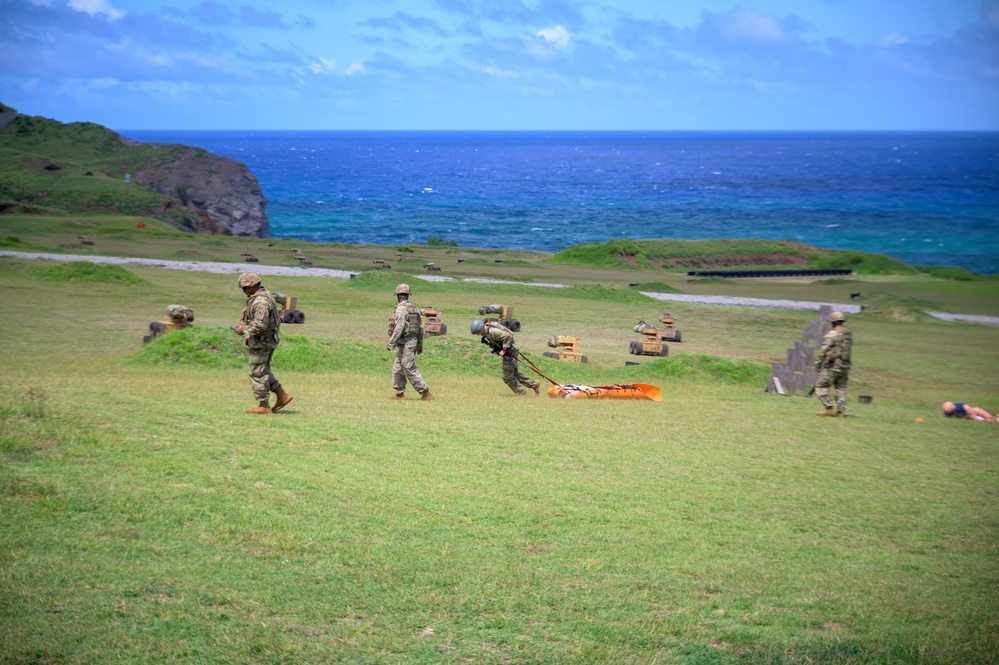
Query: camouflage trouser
[
  {"x": 405, "y": 367},
  {"x": 262, "y": 380},
  {"x": 513, "y": 378},
  {"x": 836, "y": 379}
]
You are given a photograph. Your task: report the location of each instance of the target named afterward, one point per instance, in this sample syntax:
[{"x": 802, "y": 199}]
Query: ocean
[{"x": 926, "y": 198}]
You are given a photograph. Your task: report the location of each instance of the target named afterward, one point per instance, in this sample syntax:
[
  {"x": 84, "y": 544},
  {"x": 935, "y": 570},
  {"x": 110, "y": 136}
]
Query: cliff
[
  {"x": 224, "y": 189},
  {"x": 50, "y": 167}
]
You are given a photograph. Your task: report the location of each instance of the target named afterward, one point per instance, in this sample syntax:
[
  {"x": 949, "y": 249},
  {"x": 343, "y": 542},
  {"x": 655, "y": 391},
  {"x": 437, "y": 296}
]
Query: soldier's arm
[
  {"x": 488, "y": 340},
  {"x": 400, "y": 324},
  {"x": 257, "y": 325},
  {"x": 827, "y": 342},
  {"x": 507, "y": 342}
]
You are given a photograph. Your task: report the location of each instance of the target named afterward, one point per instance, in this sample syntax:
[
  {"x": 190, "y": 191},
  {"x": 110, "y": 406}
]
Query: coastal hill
[{"x": 48, "y": 167}]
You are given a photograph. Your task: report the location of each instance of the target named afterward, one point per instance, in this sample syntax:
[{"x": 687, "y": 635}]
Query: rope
[{"x": 535, "y": 368}]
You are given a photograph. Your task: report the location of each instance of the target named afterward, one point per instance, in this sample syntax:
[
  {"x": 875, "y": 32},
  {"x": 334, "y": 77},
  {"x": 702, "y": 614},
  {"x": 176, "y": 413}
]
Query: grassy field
[{"x": 147, "y": 518}]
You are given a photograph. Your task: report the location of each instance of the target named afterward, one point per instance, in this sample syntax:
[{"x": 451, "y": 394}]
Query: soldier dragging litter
[
  {"x": 260, "y": 324},
  {"x": 834, "y": 366},
  {"x": 501, "y": 340},
  {"x": 406, "y": 339}
]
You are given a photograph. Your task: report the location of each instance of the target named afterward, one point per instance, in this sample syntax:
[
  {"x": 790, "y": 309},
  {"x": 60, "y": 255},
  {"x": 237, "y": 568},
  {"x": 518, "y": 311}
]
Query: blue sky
[{"x": 504, "y": 64}]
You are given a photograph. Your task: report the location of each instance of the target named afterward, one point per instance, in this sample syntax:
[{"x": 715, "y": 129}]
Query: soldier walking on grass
[
  {"x": 834, "y": 366},
  {"x": 406, "y": 339},
  {"x": 260, "y": 324},
  {"x": 501, "y": 340}
]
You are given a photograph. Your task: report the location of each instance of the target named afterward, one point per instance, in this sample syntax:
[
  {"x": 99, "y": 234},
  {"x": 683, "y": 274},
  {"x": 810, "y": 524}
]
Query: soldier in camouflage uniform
[
  {"x": 834, "y": 366},
  {"x": 406, "y": 339},
  {"x": 260, "y": 324},
  {"x": 501, "y": 340}
]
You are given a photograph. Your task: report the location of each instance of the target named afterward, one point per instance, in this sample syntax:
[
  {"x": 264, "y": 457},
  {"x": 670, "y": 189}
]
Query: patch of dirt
[{"x": 533, "y": 549}]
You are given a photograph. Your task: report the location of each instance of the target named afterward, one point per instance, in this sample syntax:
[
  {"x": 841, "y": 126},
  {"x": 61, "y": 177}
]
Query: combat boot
[
  {"x": 282, "y": 399},
  {"x": 840, "y": 414},
  {"x": 537, "y": 389},
  {"x": 828, "y": 411},
  {"x": 427, "y": 396},
  {"x": 398, "y": 396},
  {"x": 263, "y": 408}
]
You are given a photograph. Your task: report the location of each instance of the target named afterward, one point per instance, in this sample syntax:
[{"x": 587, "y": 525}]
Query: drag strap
[{"x": 534, "y": 367}]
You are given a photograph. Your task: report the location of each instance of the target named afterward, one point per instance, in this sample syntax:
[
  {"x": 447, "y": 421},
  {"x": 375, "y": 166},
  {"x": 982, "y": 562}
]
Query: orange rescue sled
[{"x": 617, "y": 391}]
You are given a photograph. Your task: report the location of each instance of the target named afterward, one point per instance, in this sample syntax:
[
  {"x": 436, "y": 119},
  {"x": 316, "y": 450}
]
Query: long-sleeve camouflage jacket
[
  {"x": 406, "y": 322},
  {"x": 261, "y": 321},
  {"x": 499, "y": 337},
  {"x": 835, "y": 350}
]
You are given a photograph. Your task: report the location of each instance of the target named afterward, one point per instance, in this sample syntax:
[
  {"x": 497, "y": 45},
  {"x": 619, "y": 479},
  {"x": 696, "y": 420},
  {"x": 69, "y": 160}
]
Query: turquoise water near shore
[{"x": 927, "y": 198}]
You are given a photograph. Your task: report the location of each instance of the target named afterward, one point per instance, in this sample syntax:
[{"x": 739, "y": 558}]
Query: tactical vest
[
  {"x": 273, "y": 320},
  {"x": 497, "y": 334},
  {"x": 838, "y": 354},
  {"x": 414, "y": 323}
]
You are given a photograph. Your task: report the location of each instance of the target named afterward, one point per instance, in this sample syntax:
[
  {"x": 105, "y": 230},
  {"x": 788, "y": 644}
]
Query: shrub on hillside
[
  {"x": 712, "y": 368},
  {"x": 656, "y": 287},
  {"x": 84, "y": 271},
  {"x": 956, "y": 274},
  {"x": 862, "y": 263}
]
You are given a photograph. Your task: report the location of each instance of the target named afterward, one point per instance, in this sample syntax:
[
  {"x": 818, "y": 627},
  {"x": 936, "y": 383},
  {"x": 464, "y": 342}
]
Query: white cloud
[
  {"x": 322, "y": 66},
  {"x": 557, "y": 35},
  {"x": 356, "y": 67},
  {"x": 94, "y": 7}
]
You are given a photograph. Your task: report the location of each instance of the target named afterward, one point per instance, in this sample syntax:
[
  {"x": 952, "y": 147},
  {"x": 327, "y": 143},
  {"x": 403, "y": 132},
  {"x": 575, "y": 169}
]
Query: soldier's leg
[
  {"x": 398, "y": 375},
  {"x": 533, "y": 384},
  {"x": 822, "y": 388},
  {"x": 272, "y": 383},
  {"x": 260, "y": 380},
  {"x": 409, "y": 367},
  {"x": 510, "y": 375},
  {"x": 840, "y": 386}
]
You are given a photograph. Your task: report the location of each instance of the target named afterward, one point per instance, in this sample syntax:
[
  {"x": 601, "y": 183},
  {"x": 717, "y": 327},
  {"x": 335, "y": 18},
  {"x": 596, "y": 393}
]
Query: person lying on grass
[{"x": 962, "y": 410}]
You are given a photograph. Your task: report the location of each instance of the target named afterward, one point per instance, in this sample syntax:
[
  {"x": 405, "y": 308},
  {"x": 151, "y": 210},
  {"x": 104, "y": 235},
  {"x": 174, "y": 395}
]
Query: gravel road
[
  {"x": 193, "y": 266},
  {"x": 233, "y": 268}
]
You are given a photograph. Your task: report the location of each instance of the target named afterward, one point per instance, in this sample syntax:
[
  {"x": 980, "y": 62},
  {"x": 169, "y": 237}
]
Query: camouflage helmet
[
  {"x": 248, "y": 279},
  {"x": 837, "y": 317},
  {"x": 477, "y": 326},
  {"x": 402, "y": 289}
]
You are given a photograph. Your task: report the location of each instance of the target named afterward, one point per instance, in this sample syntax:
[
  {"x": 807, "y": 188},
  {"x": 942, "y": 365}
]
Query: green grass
[
  {"x": 674, "y": 254},
  {"x": 147, "y": 518},
  {"x": 84, "y": 271}
]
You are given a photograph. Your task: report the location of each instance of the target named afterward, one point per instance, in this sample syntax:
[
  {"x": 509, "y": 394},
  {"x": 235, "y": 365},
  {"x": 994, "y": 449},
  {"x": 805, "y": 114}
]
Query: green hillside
[
  {"x": 48, "y": 165},
  {"x": 683, "y": 255},
  {"x": 53, "y": 168}
]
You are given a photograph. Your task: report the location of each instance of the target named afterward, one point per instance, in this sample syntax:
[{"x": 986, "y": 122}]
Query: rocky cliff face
[{"x": 222, "y": 188}]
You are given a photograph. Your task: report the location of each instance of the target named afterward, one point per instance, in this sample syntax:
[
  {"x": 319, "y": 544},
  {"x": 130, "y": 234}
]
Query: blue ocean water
[{"x": 927, "y": 198}]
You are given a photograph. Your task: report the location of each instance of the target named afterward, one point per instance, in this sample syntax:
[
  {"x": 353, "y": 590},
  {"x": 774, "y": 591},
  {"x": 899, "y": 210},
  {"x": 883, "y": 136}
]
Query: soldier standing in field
[
  {"x": 834, "y": 366},
  {"x": 406, "y": 339},
  {"x": 501, "y": 340},
  {"x": 260, "y": 324}
]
